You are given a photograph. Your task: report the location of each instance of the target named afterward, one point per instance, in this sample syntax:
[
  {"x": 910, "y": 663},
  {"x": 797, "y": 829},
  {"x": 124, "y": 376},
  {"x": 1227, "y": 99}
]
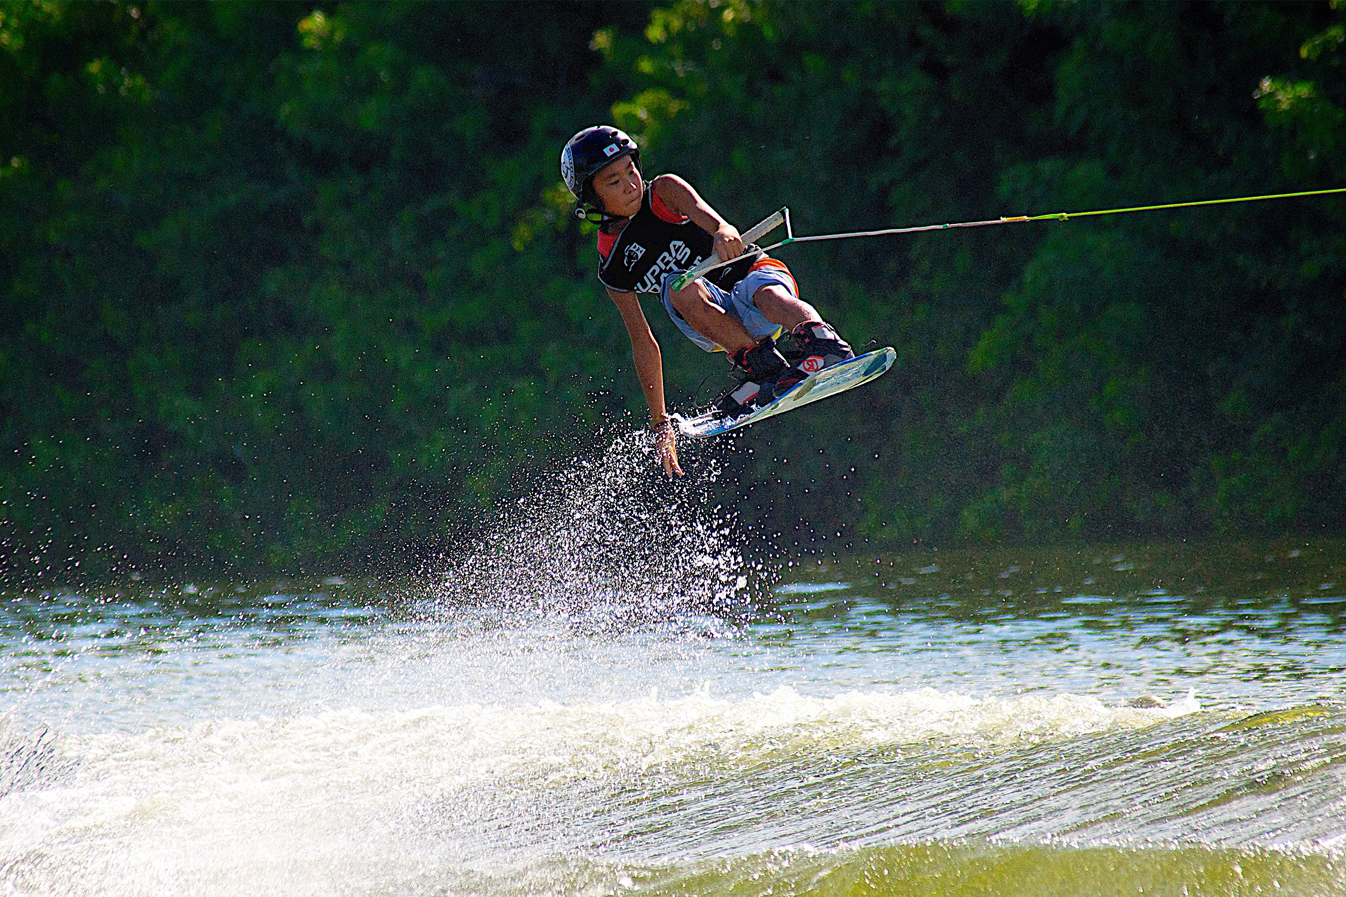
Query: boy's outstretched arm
[{"x": 650, "y": 370}]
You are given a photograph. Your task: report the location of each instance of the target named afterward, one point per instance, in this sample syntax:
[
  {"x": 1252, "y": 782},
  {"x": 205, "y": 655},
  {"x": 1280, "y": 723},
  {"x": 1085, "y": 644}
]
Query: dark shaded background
[{"x": 289, "y": 286}]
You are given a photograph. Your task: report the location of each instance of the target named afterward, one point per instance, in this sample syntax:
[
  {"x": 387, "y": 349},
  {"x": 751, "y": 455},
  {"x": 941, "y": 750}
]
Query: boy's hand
[
  {"x": 665, "y": 441},
  {"x": 728, "y": 242}
]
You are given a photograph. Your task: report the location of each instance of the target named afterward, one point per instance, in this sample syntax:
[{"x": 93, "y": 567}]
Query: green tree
[{"x": 290, "y": 284}]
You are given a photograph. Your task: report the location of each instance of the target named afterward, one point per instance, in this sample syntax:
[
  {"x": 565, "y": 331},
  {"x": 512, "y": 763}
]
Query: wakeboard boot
[
  {"x": 757, "y": 368},
  {"x": 813, "y": 347}
]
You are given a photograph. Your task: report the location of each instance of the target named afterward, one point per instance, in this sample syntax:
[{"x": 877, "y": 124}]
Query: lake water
[{"x": 614, "y": 696}]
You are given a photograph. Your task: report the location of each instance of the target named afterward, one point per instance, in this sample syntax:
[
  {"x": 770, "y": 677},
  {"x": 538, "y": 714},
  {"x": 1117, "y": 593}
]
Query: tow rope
[{"x": 776, "y": 219}]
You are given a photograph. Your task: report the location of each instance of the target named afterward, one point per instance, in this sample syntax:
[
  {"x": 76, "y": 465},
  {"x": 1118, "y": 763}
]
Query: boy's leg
[
  {"x": 781, "y": 306},
  {"x": 775, "y": 297},
  {"x": 709, "y": 318},
  {"x": 768, "y": 298},
  {"x": 696, "y": 305}
]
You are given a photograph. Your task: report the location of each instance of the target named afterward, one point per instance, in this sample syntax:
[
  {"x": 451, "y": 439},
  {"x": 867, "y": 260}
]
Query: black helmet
[{"x": 587, "y": 153}]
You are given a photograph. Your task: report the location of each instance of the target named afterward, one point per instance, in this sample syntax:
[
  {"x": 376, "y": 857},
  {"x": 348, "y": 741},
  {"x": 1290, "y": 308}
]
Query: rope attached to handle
[{"x": 776, "y": 219}]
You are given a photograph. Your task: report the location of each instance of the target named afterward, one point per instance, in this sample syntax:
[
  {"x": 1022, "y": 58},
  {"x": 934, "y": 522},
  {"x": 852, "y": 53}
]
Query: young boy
[{"x": 650, "y": 232}]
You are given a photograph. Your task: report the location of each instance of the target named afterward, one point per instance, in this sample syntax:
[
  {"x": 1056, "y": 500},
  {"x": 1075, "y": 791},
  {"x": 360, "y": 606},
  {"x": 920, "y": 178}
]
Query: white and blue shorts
[{"x": 737, "y": 301}]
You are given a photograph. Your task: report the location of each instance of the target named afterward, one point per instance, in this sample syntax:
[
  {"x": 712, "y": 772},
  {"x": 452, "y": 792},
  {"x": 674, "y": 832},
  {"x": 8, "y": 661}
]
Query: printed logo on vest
[
  {"x": 677, "y": 257},
  {"x": 813, "y": 364},
  {"x": 632, "y": 255}
]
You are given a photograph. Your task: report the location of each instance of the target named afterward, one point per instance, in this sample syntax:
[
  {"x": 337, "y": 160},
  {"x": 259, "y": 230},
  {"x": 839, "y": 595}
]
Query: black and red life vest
[{"x": 655, "y": 242}]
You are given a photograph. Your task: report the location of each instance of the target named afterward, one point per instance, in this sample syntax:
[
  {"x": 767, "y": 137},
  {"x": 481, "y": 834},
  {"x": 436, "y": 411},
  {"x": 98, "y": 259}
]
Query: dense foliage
[{"x": 288, "y": 285}]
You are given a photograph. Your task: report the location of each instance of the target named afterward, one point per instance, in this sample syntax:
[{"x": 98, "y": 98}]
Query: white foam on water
[
  {"x": 352, "y": 800},
  {"x": 552, "y": 679}
]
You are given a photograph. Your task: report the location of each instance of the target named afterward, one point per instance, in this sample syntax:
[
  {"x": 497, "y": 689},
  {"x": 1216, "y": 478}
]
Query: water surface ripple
[{"x": 1159, "y": 719}]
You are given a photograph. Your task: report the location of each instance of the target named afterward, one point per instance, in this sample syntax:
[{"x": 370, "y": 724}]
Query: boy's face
[{"x": 620, "y": 188}]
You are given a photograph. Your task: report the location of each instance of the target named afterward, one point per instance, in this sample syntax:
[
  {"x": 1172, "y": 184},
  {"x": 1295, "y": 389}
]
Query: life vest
[{"x": 655, "y": 242}]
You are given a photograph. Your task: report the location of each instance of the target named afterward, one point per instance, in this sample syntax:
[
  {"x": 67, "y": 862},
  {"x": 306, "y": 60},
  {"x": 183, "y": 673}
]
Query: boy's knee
[
  {"x": 689, "y": 298},
  {"x": 769, "y": 290},
  {"x": 772, "y": 296}
]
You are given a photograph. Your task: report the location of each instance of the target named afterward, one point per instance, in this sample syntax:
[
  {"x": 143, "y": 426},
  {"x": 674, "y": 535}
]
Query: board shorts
[{"x": 738, "y": 301}]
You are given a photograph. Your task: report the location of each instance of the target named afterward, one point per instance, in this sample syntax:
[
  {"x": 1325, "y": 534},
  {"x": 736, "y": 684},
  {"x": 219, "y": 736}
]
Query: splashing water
[
  {"x": 560, "y": 716},
  {"x": 610, "y": 539}
]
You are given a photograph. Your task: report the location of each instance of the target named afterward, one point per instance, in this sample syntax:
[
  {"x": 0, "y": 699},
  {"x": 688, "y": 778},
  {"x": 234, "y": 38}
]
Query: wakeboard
[{"x": 827, "y": 382}]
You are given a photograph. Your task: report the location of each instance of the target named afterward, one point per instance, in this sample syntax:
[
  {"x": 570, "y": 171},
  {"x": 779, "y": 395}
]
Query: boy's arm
[
  {"x": 682, "y": 198},
  {"x": 650, "y": 370}
]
